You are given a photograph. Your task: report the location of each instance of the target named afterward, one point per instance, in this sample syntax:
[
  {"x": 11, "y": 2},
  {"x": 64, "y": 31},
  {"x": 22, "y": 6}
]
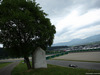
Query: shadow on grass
[{"x": 4, "y": 64}]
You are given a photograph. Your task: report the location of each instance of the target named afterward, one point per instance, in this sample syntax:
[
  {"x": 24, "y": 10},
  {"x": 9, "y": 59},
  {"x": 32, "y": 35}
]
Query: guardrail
[{"x": 56, "y": 55}]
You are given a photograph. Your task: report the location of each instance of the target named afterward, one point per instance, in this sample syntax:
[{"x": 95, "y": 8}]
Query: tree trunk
[
  {"x": 27, "y": 62},
  {"x": 33, "y": 61}
]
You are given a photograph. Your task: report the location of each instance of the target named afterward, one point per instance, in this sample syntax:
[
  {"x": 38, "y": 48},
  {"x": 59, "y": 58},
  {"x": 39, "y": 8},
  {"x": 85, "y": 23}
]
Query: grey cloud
[
  {"x": 60, "y": 8},
  {"x": 62, "y": 32},
  {"x": 89, "y": 25},
  {"x": 93, "y": 4},
  {"x": 57, "y": 8},
  {"x": 67, "y": 31},
  {"x": 87, "y": 5}
]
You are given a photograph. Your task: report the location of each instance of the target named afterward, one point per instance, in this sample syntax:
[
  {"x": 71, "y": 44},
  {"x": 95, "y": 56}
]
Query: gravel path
[
  {"x": 85, "y": 65},
  {"x": 7, "y": 70}
]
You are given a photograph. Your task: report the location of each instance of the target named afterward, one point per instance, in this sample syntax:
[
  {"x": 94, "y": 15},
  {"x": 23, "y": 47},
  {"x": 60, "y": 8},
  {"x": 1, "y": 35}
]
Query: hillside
[{"x": 74, "y": 42}]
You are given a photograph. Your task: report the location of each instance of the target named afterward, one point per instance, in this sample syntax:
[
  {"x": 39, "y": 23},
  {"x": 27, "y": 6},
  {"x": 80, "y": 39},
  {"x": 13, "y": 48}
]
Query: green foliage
[
  {"x": 51, "y": 70},
  {"x": 24, "y": 27},
  {"x": 3, "y": 54}
]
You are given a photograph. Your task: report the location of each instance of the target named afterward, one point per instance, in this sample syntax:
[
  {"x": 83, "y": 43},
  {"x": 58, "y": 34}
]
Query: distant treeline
[{"x": 56, "y": 47}]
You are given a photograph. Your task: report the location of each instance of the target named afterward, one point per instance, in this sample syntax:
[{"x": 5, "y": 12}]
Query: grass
[
  {"x": 77, "y": 60},
  {"x": 21, "y": 69},
  {"x": 4, "y": 64}
]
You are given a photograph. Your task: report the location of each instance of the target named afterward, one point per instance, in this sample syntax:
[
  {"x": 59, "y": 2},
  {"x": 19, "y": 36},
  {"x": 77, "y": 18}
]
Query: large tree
[{"x": 24, "y": 27}]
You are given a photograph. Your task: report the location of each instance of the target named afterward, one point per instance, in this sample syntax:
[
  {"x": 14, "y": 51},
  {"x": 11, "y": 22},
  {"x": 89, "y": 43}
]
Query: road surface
[
  {"x": 85, "y": 65},
  {"x": 7, "y": 70}
]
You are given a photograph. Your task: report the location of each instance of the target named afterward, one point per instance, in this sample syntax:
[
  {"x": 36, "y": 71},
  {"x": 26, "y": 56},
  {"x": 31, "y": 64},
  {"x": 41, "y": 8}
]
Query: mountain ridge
[{"x": 74, "y": 42}]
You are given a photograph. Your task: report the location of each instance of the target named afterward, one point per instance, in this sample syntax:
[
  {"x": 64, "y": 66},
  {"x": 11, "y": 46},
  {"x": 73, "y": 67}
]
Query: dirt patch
[{"x": 85, "y": 56}]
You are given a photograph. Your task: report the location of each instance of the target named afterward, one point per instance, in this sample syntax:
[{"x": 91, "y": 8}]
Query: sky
[{"x": 73, "y": 19}]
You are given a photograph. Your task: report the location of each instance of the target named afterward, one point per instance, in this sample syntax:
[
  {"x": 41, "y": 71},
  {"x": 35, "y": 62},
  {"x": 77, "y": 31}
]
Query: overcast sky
[{"x": 73, "y": 18}]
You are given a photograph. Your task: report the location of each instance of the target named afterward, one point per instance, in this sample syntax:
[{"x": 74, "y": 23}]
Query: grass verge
[
  {"x": 4, "y": 64},
  {"x": 77, "y": 60},
  {"x": 21, "y": 69}
]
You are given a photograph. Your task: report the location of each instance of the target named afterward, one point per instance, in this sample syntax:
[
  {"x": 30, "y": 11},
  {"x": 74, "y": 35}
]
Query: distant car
[{"x": 72, "y": 65}]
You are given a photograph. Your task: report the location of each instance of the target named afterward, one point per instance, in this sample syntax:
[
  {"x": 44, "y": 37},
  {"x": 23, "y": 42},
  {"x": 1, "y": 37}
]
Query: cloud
[
  {"x": 74, "y": 21},
  {"x": 73, "y": 18},
  {"x": 57, "y": 8},
  {"x": 54, "y": 7},
  {"x": 84, "y": 33},
  {"x": 78, "y": 26}
]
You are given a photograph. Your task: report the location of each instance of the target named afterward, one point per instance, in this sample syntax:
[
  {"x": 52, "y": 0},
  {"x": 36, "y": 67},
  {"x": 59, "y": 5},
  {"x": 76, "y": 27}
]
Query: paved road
[
  {"x": 7, "y": 70},
  {"x": 85, "y": 65}
]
